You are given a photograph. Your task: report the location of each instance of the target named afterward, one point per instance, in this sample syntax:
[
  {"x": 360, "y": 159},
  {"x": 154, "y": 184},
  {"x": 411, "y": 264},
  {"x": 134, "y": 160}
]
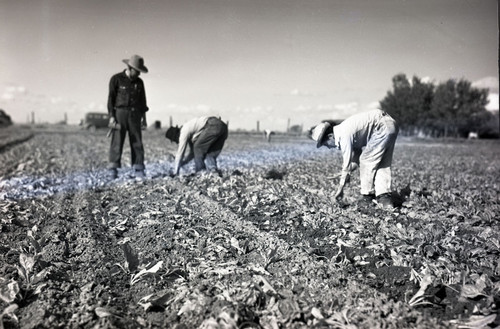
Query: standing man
[
  {"x": 365, "y": 139},
  {"x": 204, "y": 136},
  {"x": 127, "y": 112}
]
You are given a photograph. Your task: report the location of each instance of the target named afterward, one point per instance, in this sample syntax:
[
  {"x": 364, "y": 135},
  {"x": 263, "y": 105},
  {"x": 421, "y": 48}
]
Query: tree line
[{"x": 449, "y": 109}]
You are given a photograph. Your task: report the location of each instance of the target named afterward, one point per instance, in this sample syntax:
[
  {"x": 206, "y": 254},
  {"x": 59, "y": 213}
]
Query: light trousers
[{"x": 376, "y": 158}]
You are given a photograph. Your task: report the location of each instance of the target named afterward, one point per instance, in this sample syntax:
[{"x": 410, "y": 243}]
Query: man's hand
[
  {"x": 144, "y": 123},
  {"x": 339, "y": 194},
  {"x": 112, "y": 125},
  {"x": 340, "y": 190},
  {"x": 344, "y": 179},
  {"x": 112, "y": 122}
]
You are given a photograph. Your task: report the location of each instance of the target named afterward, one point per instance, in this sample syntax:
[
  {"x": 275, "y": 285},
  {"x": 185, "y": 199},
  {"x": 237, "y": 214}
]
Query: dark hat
[
  {"x": 173, "y": 134},
  {"x": 136, "y": 62},
  {"x": 318, "y": 132}
]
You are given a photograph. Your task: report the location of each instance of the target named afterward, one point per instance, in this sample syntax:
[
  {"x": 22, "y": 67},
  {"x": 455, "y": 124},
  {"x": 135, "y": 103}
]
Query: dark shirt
[{"x": 126, "y": 94}]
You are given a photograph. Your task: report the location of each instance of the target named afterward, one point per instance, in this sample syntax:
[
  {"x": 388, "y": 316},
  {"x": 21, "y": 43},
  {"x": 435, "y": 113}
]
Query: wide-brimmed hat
[
  {"x": 318, "y": 132},
  {"x": 136, "y": 62}
]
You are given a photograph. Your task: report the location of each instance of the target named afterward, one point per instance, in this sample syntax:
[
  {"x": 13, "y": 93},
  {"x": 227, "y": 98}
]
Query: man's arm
[
  {"x": 344, "y": 179},
  {"x": 112, "y": 98},
  {"x": 144, "y": 123},
  {"x": 144, "y": 106},
  {"x": 184, "y": 138},
  {"x": 179, "y": 159},
  {"x": 346, "y": 170},
  {"x": 143, "y": 100}
]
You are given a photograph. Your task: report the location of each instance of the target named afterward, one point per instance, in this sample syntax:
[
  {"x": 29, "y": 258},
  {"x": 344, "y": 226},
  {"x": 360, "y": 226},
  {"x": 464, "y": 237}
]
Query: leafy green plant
[
  {"x": 133, "y": 263},
  {"x": 419, "y": 297},
  {"x": 270, "y": 256},
  {"x": 8, "y": 290},
  {"x": 32, "y": 280},
  {"x": 36, "y": 244},
  {"x": 145, "y": 272},
  {"x": 475, "y": 321},
  {"x": 9, "y": 311}
]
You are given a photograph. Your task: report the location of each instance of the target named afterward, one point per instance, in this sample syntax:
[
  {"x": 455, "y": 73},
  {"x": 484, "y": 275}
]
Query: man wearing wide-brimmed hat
[
  {"x": 127, "y": 111},
  {"x": 366, "y": 139}
]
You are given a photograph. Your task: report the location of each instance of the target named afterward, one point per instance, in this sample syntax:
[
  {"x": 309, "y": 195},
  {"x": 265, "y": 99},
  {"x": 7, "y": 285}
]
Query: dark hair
[{"x": 173, "y": 134}]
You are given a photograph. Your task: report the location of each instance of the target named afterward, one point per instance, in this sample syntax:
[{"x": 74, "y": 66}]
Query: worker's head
[
  {"x": 323, "y": 135},
  {"x": 173, "y": 134},
  {"x": 135, "y": 66}
]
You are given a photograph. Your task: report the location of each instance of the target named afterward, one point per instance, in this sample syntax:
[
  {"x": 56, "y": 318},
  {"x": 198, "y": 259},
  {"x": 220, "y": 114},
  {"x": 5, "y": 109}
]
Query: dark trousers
[
  {"x": 130, "y": 121},
  {"x": 209, "y": 144}
]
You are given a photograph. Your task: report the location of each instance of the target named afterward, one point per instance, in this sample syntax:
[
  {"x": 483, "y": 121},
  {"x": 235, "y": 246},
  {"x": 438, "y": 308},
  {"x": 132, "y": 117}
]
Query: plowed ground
[{"x": 259, "y": 246}]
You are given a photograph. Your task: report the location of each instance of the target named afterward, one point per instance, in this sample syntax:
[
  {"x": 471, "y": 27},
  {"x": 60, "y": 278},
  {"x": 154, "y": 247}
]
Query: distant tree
[
  {"x": 422, "y": 94},
  {"x": 450, "y": 109},
  {"x": 458, "y": 108},
  {"x": 490, "y": 128},
  {"x": 396, "y": 101},
  {"x": 485, "y": 124},
  {"x": 472, "y": 113},
  {"x": 443, "y": 107},
  {"x": 409, "y": 103},
  {"x": 295, "y": 129}
]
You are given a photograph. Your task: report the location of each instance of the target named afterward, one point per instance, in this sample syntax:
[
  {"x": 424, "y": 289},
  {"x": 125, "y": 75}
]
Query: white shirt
[
  {"x": 189, "y": 133},
  {"x": 353, "y": 134}
]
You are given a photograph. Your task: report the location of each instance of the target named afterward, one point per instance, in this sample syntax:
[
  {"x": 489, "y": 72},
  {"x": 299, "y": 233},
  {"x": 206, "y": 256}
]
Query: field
[{"x": 259, "y": 246}]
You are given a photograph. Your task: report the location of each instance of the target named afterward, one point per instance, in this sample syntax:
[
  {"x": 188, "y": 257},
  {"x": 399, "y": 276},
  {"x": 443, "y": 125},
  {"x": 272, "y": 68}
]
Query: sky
[{"x": 276, "y": 62}]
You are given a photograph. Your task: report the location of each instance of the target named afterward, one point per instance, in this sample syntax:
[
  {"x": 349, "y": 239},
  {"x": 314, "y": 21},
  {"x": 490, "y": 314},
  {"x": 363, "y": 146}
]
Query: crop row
[{"x": 260, "y": 245}]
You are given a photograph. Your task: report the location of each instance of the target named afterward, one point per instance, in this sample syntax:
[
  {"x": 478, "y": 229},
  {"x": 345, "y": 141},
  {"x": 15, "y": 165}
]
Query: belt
[{"x": 132, "y": 109}]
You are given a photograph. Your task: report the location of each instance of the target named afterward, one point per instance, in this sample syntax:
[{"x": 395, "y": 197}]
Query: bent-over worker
[
  {"x": 204, "y": 136},
  {"x": 365, "y": 139}
]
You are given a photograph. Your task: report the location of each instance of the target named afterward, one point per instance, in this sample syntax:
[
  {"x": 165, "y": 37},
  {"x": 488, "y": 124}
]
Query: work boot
[
  {"x": 113, "y": 173},
  {"x": 366, "y": 200},
  {"x": 385, "y": 201}
]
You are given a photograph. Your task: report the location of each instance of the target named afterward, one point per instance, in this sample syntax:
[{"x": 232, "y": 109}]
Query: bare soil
[{"x": 261, "y": 245}]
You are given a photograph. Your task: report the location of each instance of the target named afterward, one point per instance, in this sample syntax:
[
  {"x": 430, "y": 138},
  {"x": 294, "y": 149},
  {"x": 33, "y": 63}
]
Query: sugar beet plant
[{"x": 31, "y": 270}]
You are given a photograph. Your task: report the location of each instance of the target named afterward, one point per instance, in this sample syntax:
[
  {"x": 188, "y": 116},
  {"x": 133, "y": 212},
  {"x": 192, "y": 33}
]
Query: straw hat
[
  {"x": 136, "y": 62},
  {"x": 318, "y": 133}
]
